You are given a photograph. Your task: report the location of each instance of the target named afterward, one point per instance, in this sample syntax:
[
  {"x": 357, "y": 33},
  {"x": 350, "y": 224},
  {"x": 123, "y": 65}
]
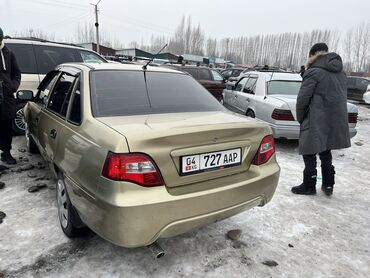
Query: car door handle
[
  {"x": 53, "y": 134},
  {"x": 247, "y": 99},
  {"x": 236, "y": 96}
]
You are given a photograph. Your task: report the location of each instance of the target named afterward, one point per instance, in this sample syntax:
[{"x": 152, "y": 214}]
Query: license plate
[{"x": 197, "y": 163}]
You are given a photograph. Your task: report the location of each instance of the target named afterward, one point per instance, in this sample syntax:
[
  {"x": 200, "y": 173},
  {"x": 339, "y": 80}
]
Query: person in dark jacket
[
  {"x": 323, "y": 117},
  {"x": 10, "y": 78}
]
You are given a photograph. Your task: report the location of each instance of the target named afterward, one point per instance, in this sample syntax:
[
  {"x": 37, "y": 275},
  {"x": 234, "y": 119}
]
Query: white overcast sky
[{"x": 137, "y": 20}]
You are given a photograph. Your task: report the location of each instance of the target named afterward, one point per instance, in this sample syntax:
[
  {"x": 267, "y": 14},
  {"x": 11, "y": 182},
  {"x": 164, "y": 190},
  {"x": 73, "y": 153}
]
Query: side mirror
[
  {"x": 25, "y": 95},
  {"x": 368, "y": 88}
]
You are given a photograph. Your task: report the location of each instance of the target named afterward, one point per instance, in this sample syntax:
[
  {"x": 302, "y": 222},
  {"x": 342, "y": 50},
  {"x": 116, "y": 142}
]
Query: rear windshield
[
  {"x": 122, "y": 93},
  {"x": 283, "y": 87}
]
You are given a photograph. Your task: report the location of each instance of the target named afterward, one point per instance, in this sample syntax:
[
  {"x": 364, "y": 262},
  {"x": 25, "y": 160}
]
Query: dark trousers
[
  {"x": 311, "y": 163},
  {"x": 6, "y": 135}
]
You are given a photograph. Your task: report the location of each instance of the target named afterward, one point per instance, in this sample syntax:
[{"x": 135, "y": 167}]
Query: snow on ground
[{"x": 311, "y": 236}]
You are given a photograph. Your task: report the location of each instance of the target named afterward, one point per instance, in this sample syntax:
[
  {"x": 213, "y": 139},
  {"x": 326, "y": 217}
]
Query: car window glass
[
  {"x": 362, "y": 84},
  {"x": 235, "y": 73},
  {"x": 48, "y": 57},
  {"x": 44, "y": 94},
  {"x": 204, "y": 74},
  {"x": 249, "y": 87},
  {"x": 217, "y": 76},
  {"x": 75, "y": 115},
  {"x": 191, "y": 71},
  {"x": 60, "y": 96},
  {"x": 25, "y": 57},
  {"x": 119, "y": 93},
  {"x": 241, "y": 84},
  {"x": 283, "y": 87},
  {"x": 90, "y": 57}
]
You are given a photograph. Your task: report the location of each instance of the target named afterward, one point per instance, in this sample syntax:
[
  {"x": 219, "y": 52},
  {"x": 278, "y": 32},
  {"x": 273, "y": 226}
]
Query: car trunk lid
[{"x": 168, "y": 137}]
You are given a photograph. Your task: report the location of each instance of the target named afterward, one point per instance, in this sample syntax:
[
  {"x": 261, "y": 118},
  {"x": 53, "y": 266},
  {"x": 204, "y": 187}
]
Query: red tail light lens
[
  {"x": 352, "y": 118},
  {"x": 136, "y": 168},
  {"x": 282, "y": 115},
  {"x": 265, "y": 151}
]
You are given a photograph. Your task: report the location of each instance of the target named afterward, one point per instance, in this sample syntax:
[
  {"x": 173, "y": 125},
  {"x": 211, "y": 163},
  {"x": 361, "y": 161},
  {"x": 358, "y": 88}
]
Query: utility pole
[{"x": 97, "y": 26}]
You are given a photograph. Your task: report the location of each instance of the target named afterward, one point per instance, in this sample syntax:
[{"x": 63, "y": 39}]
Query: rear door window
[
  {"x": 25, "y": 57},
  {"x": 48, "y": 57},
  {"x": 119, "y": 93},
  {"x": 76, "y": 110}
]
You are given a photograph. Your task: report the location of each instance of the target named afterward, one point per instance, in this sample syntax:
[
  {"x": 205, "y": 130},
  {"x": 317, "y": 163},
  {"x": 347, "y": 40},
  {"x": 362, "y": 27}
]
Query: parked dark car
[
  {"x": 356, "y": 87},
  {"x": 211, "y": 79}
]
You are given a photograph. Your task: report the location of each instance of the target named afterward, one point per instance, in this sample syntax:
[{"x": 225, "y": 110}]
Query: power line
[{"x": 60, "y": 4}]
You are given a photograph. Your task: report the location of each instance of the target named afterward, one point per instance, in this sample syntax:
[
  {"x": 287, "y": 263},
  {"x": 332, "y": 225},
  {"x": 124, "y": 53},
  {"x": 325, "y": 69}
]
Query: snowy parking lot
[{"x": 292, "y": 236}]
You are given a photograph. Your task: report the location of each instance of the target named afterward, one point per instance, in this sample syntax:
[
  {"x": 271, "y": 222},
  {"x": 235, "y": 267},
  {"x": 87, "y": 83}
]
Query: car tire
[
  {"x": 69, "y": 219},
  {"x": 19, "y": 124},
  {"x": 31, "y": 145},
  {"x": 250, "y": 113}
]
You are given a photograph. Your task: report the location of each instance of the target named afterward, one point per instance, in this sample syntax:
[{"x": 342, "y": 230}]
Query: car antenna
[{"x": 151, "y": 59}]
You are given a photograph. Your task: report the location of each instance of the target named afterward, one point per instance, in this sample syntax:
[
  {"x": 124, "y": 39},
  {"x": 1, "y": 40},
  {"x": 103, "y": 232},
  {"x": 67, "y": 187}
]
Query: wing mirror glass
[{"x": 25, "y": 95}]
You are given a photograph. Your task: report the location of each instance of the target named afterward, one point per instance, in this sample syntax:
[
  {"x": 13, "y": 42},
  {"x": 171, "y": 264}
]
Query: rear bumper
[
  {"x": 131, "y": 216},
  {"x": 292, "y": 132},
  {"x": 287, "y": 132}
]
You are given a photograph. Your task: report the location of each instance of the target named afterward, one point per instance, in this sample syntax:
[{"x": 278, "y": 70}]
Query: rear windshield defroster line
[{"x": 122, "y": 93}]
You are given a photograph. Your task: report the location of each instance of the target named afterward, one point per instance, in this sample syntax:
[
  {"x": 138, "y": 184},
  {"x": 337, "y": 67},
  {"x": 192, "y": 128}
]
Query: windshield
[
  {"x": 122, "y": 93},
  {"x": 283, "y": 87}
]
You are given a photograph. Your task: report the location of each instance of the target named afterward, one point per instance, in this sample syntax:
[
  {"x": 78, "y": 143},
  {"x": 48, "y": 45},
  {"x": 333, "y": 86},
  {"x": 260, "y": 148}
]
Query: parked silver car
[{"x": 271, "y": 97}]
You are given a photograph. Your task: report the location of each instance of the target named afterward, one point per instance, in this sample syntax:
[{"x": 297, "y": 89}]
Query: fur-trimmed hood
[{"x": 329, "y": 61}]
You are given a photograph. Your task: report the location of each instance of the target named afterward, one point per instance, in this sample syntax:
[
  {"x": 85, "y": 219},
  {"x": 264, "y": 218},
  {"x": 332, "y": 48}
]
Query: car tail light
[
  {"x": 136, "y": 168},
  {"x": 265, "y": 150},
  {"x": 352, "y": 118},
  {"x": 282, "y": 115}
]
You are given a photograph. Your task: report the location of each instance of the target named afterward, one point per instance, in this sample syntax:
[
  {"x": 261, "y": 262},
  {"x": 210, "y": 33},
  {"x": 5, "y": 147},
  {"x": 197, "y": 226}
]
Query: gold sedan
[{"x": 141, "y": 154}]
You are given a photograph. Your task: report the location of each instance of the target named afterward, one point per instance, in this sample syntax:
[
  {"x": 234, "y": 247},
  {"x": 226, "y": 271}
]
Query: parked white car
[{"x": 271, "y": 97}]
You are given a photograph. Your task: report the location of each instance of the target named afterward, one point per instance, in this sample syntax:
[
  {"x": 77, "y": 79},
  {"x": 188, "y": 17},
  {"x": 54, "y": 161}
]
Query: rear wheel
[
  {"x": 250, "y": 113},
  {"x": 70, "y": 222},
  {"x": 19, "y": 124}
]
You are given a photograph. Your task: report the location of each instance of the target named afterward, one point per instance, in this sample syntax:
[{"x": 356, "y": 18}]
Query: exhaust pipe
[{"x": 157, "y": 250}]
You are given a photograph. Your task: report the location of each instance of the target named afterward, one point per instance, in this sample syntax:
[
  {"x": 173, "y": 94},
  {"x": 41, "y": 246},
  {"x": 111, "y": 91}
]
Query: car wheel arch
[{"x": 249, "y": 110}]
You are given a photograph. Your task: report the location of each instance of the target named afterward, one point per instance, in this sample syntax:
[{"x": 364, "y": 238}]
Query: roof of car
[
  {"x": 131, "y": 67},
  {"x": 184, "y": 66},
  {"x": 277, "y": 75},
  {"x": 43, "y": 42}
]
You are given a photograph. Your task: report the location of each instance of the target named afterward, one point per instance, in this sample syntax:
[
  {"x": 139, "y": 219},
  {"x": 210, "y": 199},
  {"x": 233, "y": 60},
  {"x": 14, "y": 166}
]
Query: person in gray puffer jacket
[{"x": 323, "y": 117}]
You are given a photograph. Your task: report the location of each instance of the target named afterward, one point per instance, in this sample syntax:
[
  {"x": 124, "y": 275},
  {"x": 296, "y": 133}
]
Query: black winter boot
[
  {"x": 328, "y": 182},
  {"x": 308, "y": 187},
  {"x": 8, "y": 159}
]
